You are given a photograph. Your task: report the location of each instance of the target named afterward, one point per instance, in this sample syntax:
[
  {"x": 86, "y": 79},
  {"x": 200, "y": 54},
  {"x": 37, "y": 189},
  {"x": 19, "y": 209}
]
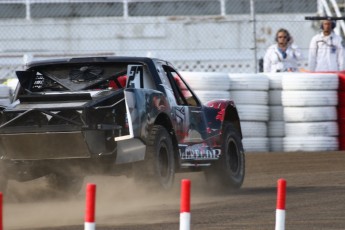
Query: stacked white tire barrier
[
  {"x": 279, "y": 112},
  {"x": 250, "y": 93},
  {"x": 276, "y": 124},
  {"x": 310, "y": 112},
  {"x": 208, "y": 86},
  {"x": 5, "y": 95}
]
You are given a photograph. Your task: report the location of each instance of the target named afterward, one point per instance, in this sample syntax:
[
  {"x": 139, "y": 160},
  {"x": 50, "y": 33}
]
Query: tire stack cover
[
  {"x": 310, "y": 101},
  {"x": 250, "y": 94}
]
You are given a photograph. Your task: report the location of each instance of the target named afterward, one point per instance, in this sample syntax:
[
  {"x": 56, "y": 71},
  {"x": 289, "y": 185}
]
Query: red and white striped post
[
  {"x": 185, "y": 205},
  {"x": 90, "y": 207},
  {"x": 1, "y": 218},
  {"x": 280, "y": 210}
]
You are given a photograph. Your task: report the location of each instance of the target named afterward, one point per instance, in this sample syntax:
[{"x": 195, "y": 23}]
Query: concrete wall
[
  {"x": 183, "y": 38},
  {"x": 105, "y": 8},
  {"x": 220, "y": 40}
]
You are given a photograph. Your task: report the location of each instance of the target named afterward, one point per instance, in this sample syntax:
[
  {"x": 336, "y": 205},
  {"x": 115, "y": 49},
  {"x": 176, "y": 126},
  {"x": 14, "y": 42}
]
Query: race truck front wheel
[
  {"x": 228, "y": 171},
  {"x": 158, "y": 168}
]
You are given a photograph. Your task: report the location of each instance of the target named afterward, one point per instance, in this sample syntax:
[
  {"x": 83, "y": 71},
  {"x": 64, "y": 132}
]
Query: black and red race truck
[{"x": 75, "y": 117}]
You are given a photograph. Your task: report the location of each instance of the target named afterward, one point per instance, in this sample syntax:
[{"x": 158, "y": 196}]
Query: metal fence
[{"x": 195, "y": 35}]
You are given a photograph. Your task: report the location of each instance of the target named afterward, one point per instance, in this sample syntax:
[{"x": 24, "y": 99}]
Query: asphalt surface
[{"x": 315, "y": 199}]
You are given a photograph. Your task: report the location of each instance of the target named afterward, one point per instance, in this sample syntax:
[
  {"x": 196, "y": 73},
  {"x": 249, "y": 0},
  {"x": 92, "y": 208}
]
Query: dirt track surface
[{"x": 315, "y": 199}]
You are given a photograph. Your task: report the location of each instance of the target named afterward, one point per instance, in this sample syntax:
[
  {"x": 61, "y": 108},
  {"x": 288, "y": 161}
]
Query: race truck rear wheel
[
  {"x": 158, "y": 168},
  {"x": 228, "y": 171}
]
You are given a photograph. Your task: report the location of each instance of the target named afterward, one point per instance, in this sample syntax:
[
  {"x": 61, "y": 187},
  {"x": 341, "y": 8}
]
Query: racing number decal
[{"x": 135, "y": 76}]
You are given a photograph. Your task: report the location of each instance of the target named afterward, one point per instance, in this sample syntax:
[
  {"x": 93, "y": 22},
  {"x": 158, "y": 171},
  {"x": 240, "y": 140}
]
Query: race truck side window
[{"x": 182, "y": 93}]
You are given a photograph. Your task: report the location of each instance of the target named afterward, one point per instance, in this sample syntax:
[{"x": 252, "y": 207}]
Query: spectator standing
[
  {"x": 282, "y": 56},
  {"x": 326, "y": 52}
]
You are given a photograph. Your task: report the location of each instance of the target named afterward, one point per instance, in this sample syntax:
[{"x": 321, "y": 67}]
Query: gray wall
[
  {"x": 153, "y": 8},
  {"x": 197, "y": 35}
]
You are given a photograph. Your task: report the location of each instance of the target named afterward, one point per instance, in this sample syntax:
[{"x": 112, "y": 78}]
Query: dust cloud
[{"x": 119, "y": 200}]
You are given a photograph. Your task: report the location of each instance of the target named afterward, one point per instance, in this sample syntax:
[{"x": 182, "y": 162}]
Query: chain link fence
[{"x": 195, "y": 35}]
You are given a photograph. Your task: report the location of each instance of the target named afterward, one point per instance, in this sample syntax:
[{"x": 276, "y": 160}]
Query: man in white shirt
[
  {"x": 282, "y": 56},
  {"x": 326, "y": 50}
]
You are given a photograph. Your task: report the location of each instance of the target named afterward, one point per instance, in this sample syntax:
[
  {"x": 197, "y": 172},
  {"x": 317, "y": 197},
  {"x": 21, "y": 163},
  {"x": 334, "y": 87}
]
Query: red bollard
[
  {"x": 185, "y": 205},
  {"x": 1, "y": 217},
  {"x": 90, "y": 207},
  {"x": 280, "y": 209}
]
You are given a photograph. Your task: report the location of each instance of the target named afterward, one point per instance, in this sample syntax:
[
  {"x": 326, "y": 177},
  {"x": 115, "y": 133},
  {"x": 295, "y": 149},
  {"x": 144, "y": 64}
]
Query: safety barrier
[
  {"x": 185, "y": 203},
  {"x": 281, "y": 112}
]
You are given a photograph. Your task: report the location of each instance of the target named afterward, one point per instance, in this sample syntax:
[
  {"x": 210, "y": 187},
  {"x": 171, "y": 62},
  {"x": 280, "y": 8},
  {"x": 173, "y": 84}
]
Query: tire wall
[
  {"x": 5, "y": 95},
  {"x": 281, "y": 112}
]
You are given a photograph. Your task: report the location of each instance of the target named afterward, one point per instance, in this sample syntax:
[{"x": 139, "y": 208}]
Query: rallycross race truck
[{"x": 110, "y": 115}]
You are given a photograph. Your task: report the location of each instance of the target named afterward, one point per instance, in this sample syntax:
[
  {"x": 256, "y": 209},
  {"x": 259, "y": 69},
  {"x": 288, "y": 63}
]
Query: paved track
[{"x": 315, "y": 199}]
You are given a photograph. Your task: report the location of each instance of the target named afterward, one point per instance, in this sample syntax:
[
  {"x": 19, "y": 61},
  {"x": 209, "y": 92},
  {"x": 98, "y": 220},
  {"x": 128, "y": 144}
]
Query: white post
[
  {"x": 125, "y": 8},
  {"x": 28, "y": 9},
  {"x": 222, "y": 8},
  {"x": 253, "y": 20},
  {"x": 27, "y": 58}
]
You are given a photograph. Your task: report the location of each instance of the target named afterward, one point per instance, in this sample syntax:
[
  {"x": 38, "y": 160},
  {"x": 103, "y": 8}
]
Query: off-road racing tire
[
  {"x": 227, "y": 173},
  {"x": 65, "y": 184},
  {"x": 158, "y": 169}
]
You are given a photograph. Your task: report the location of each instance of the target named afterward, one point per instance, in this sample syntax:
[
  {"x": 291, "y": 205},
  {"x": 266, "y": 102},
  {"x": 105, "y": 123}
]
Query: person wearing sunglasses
[
  {"x": 326, "y": 51},
  {"x": 283, "y": 56}
]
